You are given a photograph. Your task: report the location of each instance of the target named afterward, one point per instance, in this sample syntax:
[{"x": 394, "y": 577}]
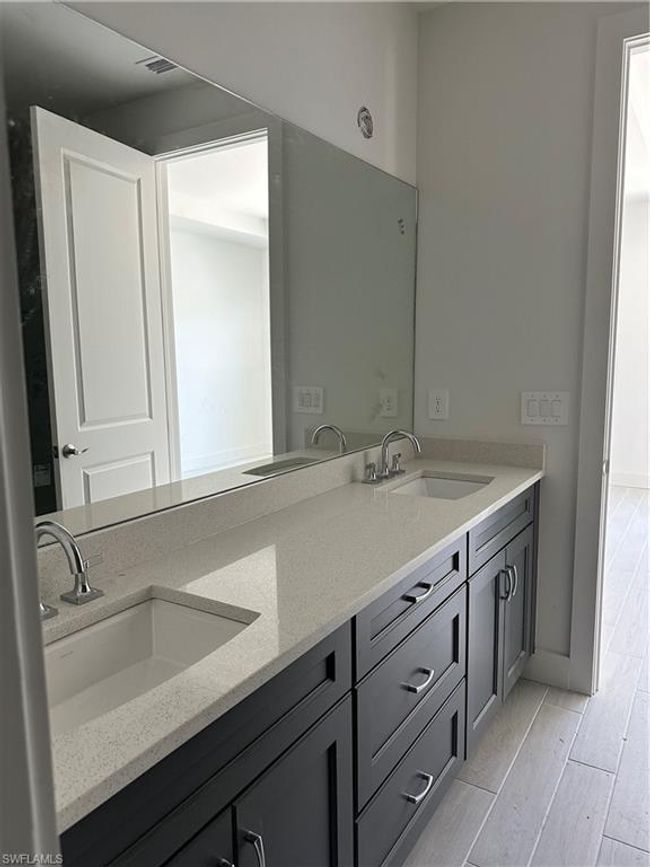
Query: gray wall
[
  {"x": 504, "y": 157},
  {"x": 313, "y": 64}
]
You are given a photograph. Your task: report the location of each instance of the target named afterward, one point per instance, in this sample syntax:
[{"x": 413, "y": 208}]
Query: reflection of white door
[{"x": 102, "y": 291}]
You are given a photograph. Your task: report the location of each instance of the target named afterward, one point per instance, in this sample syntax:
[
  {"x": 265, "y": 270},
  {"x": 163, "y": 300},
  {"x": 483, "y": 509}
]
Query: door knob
[{"x": 69, "y": 449}]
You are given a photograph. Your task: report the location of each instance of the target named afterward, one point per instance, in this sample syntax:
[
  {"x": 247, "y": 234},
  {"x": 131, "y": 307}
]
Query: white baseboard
[
  {"x": 630, "y": 480},
  {"x": 547, "y": 667}
]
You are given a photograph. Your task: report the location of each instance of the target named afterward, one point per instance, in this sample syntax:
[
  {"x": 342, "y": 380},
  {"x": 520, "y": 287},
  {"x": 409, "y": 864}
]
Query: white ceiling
[{"x": 226, "y": 187}]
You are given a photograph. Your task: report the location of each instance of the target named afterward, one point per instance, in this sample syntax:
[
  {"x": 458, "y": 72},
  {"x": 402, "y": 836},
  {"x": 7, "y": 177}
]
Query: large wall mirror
[{"x": 202, "y": 284}]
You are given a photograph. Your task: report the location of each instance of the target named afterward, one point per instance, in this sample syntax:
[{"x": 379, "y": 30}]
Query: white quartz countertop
[{"x": 294, "y": 576}]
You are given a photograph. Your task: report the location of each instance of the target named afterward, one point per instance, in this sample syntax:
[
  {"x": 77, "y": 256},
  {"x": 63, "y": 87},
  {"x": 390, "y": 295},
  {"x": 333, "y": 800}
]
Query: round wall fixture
[{"x": 365, "y": 122}]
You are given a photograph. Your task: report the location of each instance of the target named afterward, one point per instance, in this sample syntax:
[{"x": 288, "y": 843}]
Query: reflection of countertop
[
  {"x": 105, "y": 513},
  {"x": 306, "y": 570}
]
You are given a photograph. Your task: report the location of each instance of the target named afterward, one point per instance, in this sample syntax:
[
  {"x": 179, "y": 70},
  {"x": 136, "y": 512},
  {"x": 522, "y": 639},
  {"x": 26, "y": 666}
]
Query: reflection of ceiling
[
  {"x": 59, "y": 59},
  {"x": 637, "y": 155},
  {"x": 227, "y": 187}
]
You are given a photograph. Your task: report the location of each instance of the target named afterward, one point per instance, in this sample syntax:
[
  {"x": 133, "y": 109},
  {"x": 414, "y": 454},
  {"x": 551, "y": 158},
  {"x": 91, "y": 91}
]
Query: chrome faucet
[
  {"x": 343, "y": 443},
  {"x": 385, "y": 471},
  {"x": 82, "y": 591}
]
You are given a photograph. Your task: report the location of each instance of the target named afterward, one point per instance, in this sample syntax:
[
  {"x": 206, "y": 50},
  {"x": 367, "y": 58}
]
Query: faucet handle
[
  {"x": 371, "y": 474},
  {"x": 395, "y": 468},
  {"x": 47, "y": 611}
]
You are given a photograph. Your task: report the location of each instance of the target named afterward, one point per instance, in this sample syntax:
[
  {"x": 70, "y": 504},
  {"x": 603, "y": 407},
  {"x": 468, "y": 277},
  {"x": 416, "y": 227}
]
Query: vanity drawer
[
  {"x": 411, "y": 793},
  {"x": 383, "y": 624},
  {"x": 396, "y": 700},
  {"x": 494, "y": 533}
]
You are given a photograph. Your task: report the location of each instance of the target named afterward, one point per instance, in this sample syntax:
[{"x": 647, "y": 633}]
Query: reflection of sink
[
  {"x": 443, "y": 487},
  {"x": 281, "y": 466},
  {"x": 111, "y": 662}
]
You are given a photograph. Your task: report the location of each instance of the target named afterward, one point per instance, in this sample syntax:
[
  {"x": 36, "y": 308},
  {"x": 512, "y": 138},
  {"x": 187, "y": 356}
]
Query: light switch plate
[
  {"x": 388, "y": 402},
  {"x": 439, "y": 403},
  {"x": 545, "y": 407},
  {"x": 308, "y": 399}
]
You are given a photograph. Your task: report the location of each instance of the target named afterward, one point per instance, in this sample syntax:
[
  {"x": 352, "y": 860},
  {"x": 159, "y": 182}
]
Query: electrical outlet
[
  {"x": 439, "y": 403},
  {"x": 308, "y": 399},
  {"x": 388, "y": 402}
]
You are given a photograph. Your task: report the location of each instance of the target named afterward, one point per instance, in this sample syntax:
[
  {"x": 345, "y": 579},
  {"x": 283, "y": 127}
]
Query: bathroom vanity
[
  {"x": 341, "y": 756},
  {"x": 278, "y": 666}
]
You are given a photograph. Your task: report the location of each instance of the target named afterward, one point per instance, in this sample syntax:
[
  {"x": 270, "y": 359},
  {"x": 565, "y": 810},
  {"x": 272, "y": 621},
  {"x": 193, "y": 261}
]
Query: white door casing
[
  {"x": 99, "y": 260},
  {"x": 614, "y": 33}
]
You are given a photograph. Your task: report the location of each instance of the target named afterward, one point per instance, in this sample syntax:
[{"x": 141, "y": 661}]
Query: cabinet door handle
[
  {"x": 258, "y": 844},
  {"x": 516, "y": 580},
  {"x": 506, "y": 572},
  {"x": 224, "y": 862},
  {"x": 417, "y": 799},
  {"x": 430, "y": 673},
  {"x": 418, "y": 597}
]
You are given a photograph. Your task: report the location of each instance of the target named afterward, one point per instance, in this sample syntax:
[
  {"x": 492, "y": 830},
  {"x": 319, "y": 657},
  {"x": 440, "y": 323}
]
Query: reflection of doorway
[
  {"x": 624, "y": 611},
  {"x": 100, "y": 271},
  {"x": 216, "y": 203}
]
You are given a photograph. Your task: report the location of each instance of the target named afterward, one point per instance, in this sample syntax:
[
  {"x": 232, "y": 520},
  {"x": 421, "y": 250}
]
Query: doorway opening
[
  {"x": 624, "y": 607},
  {"x": 216, "y": 222}
]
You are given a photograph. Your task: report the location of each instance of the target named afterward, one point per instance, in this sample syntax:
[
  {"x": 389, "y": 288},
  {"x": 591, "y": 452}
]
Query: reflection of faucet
[
  {"x": 343, "y": 443},
  {"x": 392, "y": 436},
  {"x": 82, "y": 591}
]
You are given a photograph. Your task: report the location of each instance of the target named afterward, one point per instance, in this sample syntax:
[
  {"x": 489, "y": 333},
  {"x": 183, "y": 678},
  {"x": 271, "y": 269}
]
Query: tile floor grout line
[
  {"x": 476, "y": 786},
  {"x": 619, "y": 762},
  {"x": 610, "y": 514},
  {"x": 626, "y": 731},
  {"x": 595, "y": 767},
  {"x": 506, "y": 775},
  {"x": 553, "y": 796},
  {"x": 635, "y": 576},
  {"x": 635, "y": 573},
  {"x": 631, "y": 845},
  {"x": 562, "y": 707},
  {"x": 619, "y": 544}
]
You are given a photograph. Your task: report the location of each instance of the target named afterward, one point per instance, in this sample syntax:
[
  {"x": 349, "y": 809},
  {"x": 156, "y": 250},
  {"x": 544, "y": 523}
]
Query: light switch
[
  {"x": 308, "y": 399},
  {"x": 545, "y": 407},
  {"x": 439, "y": 403},
  {"x": 388, "y": 402}
]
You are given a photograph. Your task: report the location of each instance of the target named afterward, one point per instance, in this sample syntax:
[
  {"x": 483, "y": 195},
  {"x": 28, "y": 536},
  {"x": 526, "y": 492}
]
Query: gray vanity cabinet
[
  {"x": 518, "y": 609},
  {"x": 500, "y": 610},
  {"x": 486, "y": 592},
  {"x": 299, "y": 813},
  {"x": 212, "y": 847}
]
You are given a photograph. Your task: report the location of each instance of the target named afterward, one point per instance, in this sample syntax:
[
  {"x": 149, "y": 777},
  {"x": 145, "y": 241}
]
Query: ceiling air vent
[{"x": 158, "y": 65}]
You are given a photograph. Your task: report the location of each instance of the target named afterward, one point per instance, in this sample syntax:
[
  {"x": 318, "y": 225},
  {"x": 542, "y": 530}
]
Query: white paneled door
[{"x": 103, "y": 310}]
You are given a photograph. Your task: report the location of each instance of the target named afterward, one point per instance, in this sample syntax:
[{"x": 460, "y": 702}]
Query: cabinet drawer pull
[
  {"x": 516, "y": 582},
  {"x": 223, "y": 862},
  {"x": 506, "y": 572},
  {"x": 430, "y": 673},
  {"x": 417, "y": 799},
  {"x": 419, "y": 597},
  {"x": 258, "y": 844}
]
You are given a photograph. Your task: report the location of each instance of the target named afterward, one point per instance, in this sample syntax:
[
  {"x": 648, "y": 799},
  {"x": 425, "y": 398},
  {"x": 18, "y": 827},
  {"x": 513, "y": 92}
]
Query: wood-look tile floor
[{"x": 560, "y": 779}]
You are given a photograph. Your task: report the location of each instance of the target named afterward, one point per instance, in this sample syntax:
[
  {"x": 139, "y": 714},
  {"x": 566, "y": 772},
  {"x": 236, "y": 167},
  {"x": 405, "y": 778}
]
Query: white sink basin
[
  {"x": 443, "y": 487},
  {"x": 111, "y": 662}
]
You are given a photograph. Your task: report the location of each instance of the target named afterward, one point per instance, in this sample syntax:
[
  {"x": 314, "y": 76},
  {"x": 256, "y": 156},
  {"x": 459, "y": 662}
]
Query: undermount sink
[
  {"x": 111, "y": 662},
  {"x": 443, "y": 487},
  {"x": 280, "y": 466}
]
